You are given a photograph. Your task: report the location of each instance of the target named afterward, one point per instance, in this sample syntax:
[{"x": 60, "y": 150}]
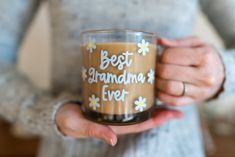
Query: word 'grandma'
[{"x": 124, "y": 78}]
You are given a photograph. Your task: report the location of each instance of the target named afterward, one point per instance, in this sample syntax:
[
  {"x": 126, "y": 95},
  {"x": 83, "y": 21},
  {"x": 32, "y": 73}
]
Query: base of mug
[{"x": 116, "y": 119}]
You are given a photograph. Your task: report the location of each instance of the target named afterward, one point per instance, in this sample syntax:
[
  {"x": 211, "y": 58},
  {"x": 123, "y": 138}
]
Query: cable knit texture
[{"x": 22, "y": 103}]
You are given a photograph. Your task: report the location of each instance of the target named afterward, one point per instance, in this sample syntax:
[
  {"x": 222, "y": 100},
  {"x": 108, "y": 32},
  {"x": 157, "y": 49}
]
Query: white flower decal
[
  {"x": 143, "y": 47},
  {"x": 84, "y": 75},
  {"x": 91, "y": 45},
  {"x": 94, "y": 102},
  {"x": 140, "y": 104},
  {"x": 151, "y": 76}
]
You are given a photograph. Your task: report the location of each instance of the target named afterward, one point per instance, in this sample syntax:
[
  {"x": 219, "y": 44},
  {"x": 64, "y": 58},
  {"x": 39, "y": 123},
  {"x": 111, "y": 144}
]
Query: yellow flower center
[
  {"x": 94, "y": 102},
  {"x": 143, "y": 46},
  {"x": 90, "y": 45},
  {"x": 141, "y": 103}
]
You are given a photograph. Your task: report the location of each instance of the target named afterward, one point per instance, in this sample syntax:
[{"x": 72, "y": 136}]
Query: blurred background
[{"x": 217, "y": 118}]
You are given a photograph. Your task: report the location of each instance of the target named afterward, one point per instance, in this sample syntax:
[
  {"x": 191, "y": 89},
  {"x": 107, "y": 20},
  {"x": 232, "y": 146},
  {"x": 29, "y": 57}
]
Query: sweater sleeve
[
  {"x": 222, "y": 15},
  {"x": 22, "y": 102}
]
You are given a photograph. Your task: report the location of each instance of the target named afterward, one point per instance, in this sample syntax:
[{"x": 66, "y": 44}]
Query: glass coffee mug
[{"x": 118, "y": 75}]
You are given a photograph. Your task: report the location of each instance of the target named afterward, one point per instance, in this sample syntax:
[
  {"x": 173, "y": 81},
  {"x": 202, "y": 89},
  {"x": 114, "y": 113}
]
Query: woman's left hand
[{"x": 189, "y": 71}]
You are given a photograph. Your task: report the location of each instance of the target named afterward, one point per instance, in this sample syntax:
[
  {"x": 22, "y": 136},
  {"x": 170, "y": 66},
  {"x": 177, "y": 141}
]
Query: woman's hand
[
  {"x": 189, "y": 71},
  {"x": 71, "y": 122}
]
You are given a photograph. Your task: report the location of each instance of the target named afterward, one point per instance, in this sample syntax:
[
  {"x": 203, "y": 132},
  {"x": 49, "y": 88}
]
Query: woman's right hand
[{"x": 71, "y": 122}]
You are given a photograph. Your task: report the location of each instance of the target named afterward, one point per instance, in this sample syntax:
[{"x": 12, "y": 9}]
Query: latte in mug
[{"x": 118, "y": 76}]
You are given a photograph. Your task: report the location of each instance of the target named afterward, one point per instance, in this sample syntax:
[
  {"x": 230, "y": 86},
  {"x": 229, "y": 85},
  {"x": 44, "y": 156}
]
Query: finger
[
  {"x": 159, "y": 117},
  {"x": 173, "y": 100},
  {"x": 177, "y": 88},
  {"x": 99, "y": 131},
  {"x": 181, "y": 56},
  {"x": 185, "y": 42},
  {"x": 170, "y": 87},
  {"x": 185, "y": 74}
]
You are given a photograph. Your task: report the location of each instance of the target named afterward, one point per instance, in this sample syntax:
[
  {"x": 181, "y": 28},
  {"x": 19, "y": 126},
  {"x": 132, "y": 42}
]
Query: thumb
[
  {"x": 99, "y": 131},
  {"x": 192, "y": 41},
  {"x": 71, "y": 122}
]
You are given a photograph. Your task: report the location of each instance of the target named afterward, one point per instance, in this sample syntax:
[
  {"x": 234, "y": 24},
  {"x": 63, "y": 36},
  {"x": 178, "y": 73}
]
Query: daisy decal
[
  {"x": 143, "y": 47},
  {"x": 84, "y": 75},
  {"x": 151, "y": 76},
  {"x": 91, "y": 45},
  {"x": 94, "y": 102},
  {"x": 140, "y": 104}
]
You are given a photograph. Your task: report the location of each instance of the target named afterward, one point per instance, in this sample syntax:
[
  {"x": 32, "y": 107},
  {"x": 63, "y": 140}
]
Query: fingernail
[
  {"x": 170, "y": 116},
  {"x": 165, "y": 40},
  {"x": 179, "y": 115},
  {"x": 111, "y": 142},
  {"x": 175, "y": 115},
  {"x": 161, "y": 40}
]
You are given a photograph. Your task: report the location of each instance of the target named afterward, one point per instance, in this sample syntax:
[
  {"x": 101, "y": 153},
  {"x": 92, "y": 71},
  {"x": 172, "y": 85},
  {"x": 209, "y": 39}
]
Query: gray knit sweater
[{"x": 22, "y": 103}]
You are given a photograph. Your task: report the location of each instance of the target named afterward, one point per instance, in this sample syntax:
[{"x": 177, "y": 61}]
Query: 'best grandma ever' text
[{"x": 119, "y": 61}]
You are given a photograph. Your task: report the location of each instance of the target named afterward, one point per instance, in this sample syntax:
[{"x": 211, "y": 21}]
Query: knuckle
[
  {"x": 68, "y": 122},
  {"x": 206, "y": 55},
  {"x": 163, "y": 71},
  {"x": 89, "y": 130},
  {"x": 209, "y": 80},
  {"x": 169, "y": 87},
  {"x": 166, "y": 56}
]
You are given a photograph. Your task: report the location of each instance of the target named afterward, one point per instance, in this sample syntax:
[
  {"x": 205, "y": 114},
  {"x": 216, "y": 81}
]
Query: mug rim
[{"x": 117, "y": 30}]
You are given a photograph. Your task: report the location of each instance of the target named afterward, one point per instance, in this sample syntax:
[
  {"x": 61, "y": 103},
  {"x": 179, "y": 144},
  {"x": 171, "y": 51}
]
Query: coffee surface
[{"x": 118, "y": 77}]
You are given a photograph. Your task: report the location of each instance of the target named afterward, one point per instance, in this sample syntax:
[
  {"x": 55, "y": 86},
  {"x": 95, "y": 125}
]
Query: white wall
[{"x": 35, "y": 52}]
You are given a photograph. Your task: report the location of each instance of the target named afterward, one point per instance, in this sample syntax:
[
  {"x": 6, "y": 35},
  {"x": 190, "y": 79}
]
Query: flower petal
[
  {"x": 144, "y": 100},
  {"x": 144, "y": 105},
  {"x": 140, "y": 51},
  {"x": 90, "y": 99},
  {"x": 136, "y": 102},
  {"x": 137, "y": 108}
]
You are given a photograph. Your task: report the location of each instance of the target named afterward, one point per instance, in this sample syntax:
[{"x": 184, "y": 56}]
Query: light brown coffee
[{"x": 115, "y": 76}]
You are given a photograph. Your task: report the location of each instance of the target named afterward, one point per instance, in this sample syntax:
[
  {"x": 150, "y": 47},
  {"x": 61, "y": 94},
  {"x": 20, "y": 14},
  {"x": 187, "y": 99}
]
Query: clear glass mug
[{"x": 118, "y": 75}]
